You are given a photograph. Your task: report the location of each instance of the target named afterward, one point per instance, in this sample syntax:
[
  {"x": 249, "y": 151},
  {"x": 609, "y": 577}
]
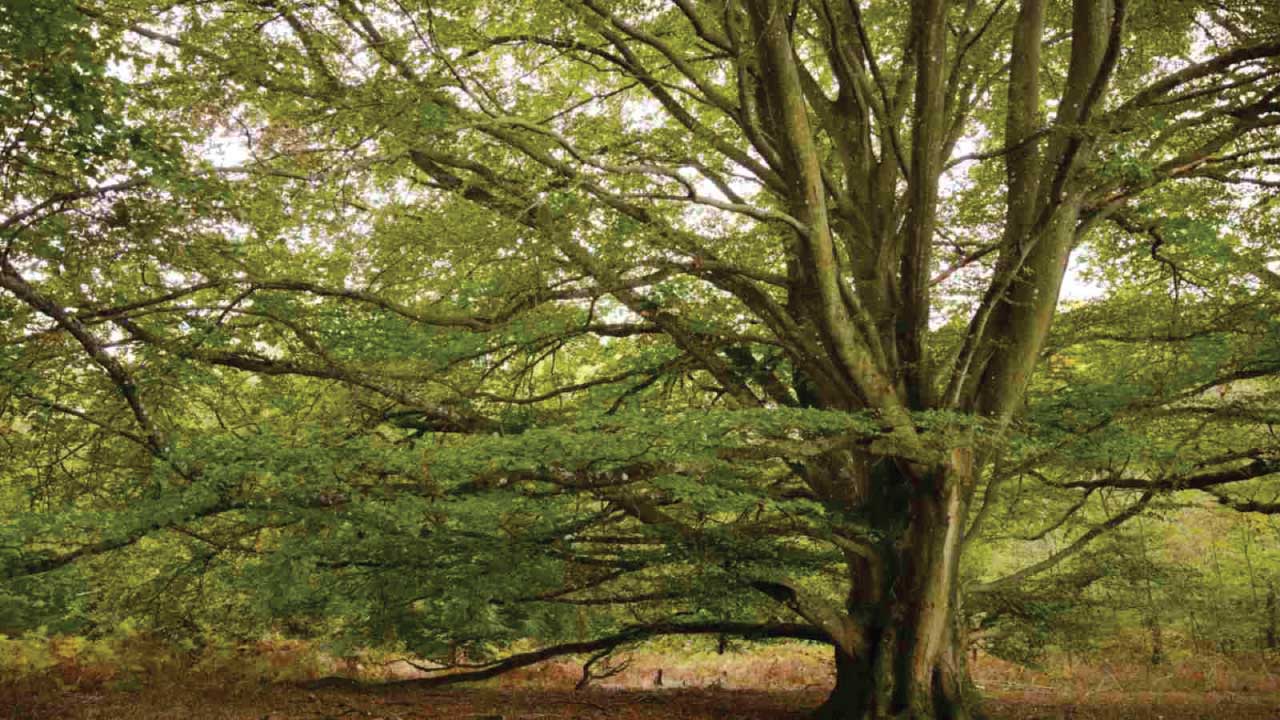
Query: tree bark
[{"x": 904, "y": 598}]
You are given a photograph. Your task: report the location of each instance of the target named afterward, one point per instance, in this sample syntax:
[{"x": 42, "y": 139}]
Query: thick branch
[{"x": 630, "y": 635}]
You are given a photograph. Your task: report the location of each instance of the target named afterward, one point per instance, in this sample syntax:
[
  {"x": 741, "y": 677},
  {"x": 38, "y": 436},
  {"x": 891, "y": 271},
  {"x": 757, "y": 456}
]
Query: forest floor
[
  {"x": 291, "y": 703},
  {"x": 277, "y": 681}
]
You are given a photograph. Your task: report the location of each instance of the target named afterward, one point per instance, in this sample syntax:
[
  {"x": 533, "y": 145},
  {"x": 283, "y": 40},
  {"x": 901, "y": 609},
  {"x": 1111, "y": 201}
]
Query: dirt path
[{"x": 281, "y": 703}]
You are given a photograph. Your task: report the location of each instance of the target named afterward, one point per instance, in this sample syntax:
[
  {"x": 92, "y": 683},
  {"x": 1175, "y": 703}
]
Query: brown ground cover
[
  {"x": 275, "y": 681},
  {"x": 292, "y": 703}
]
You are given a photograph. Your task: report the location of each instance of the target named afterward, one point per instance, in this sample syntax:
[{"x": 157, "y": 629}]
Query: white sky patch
[
  {"x": 1076, "y": 286},
  {"x": 227, "y": 149},
  {"x": 642, "y": 115}
]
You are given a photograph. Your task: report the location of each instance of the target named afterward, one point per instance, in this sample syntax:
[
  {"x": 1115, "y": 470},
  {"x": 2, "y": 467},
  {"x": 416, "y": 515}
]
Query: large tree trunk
[
  {"x": 881, "y": 686},
  {"x": 910, "y": 661}
]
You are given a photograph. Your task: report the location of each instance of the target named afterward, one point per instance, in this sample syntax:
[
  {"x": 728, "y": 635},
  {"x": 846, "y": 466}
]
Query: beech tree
[{"x": 733, "y": 313}]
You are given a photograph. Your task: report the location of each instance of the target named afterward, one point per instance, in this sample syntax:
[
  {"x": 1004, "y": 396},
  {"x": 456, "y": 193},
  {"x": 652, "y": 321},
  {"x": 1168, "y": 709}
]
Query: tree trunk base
[{"x": 863, "y": 692}]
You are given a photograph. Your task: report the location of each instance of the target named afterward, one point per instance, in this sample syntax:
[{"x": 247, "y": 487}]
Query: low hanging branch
[{"x": 639, "y": 633}]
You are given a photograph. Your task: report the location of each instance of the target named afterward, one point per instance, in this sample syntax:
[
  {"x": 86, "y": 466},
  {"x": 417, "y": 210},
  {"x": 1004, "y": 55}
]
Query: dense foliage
[{"x": 443, "y": 324}]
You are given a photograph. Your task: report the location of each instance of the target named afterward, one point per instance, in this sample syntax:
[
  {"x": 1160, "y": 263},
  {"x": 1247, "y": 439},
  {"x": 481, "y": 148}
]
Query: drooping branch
[
  {"x": 442, "y": 418},
  {"x": 1261, "y": 466},
  {"x": 123, "y": 379},
  {"x": 1017, "y": 578},
  {"x": 634, "y": 634},
  {"x": 29, "y": 567}
]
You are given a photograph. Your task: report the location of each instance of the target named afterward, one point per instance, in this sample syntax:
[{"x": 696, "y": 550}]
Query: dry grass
[
  {"x": 292, "y": 703},
  {"x": 1117, "y": 673}
]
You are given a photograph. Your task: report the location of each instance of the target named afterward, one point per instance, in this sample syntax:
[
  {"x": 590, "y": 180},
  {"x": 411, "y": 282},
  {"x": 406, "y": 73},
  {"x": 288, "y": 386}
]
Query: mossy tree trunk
[{"x": 905, "y": 655}]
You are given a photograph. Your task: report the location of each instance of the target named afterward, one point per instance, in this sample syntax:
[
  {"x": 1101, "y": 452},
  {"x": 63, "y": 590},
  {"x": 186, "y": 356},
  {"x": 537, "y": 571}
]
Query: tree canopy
[{"x": 440, "y": 322}]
